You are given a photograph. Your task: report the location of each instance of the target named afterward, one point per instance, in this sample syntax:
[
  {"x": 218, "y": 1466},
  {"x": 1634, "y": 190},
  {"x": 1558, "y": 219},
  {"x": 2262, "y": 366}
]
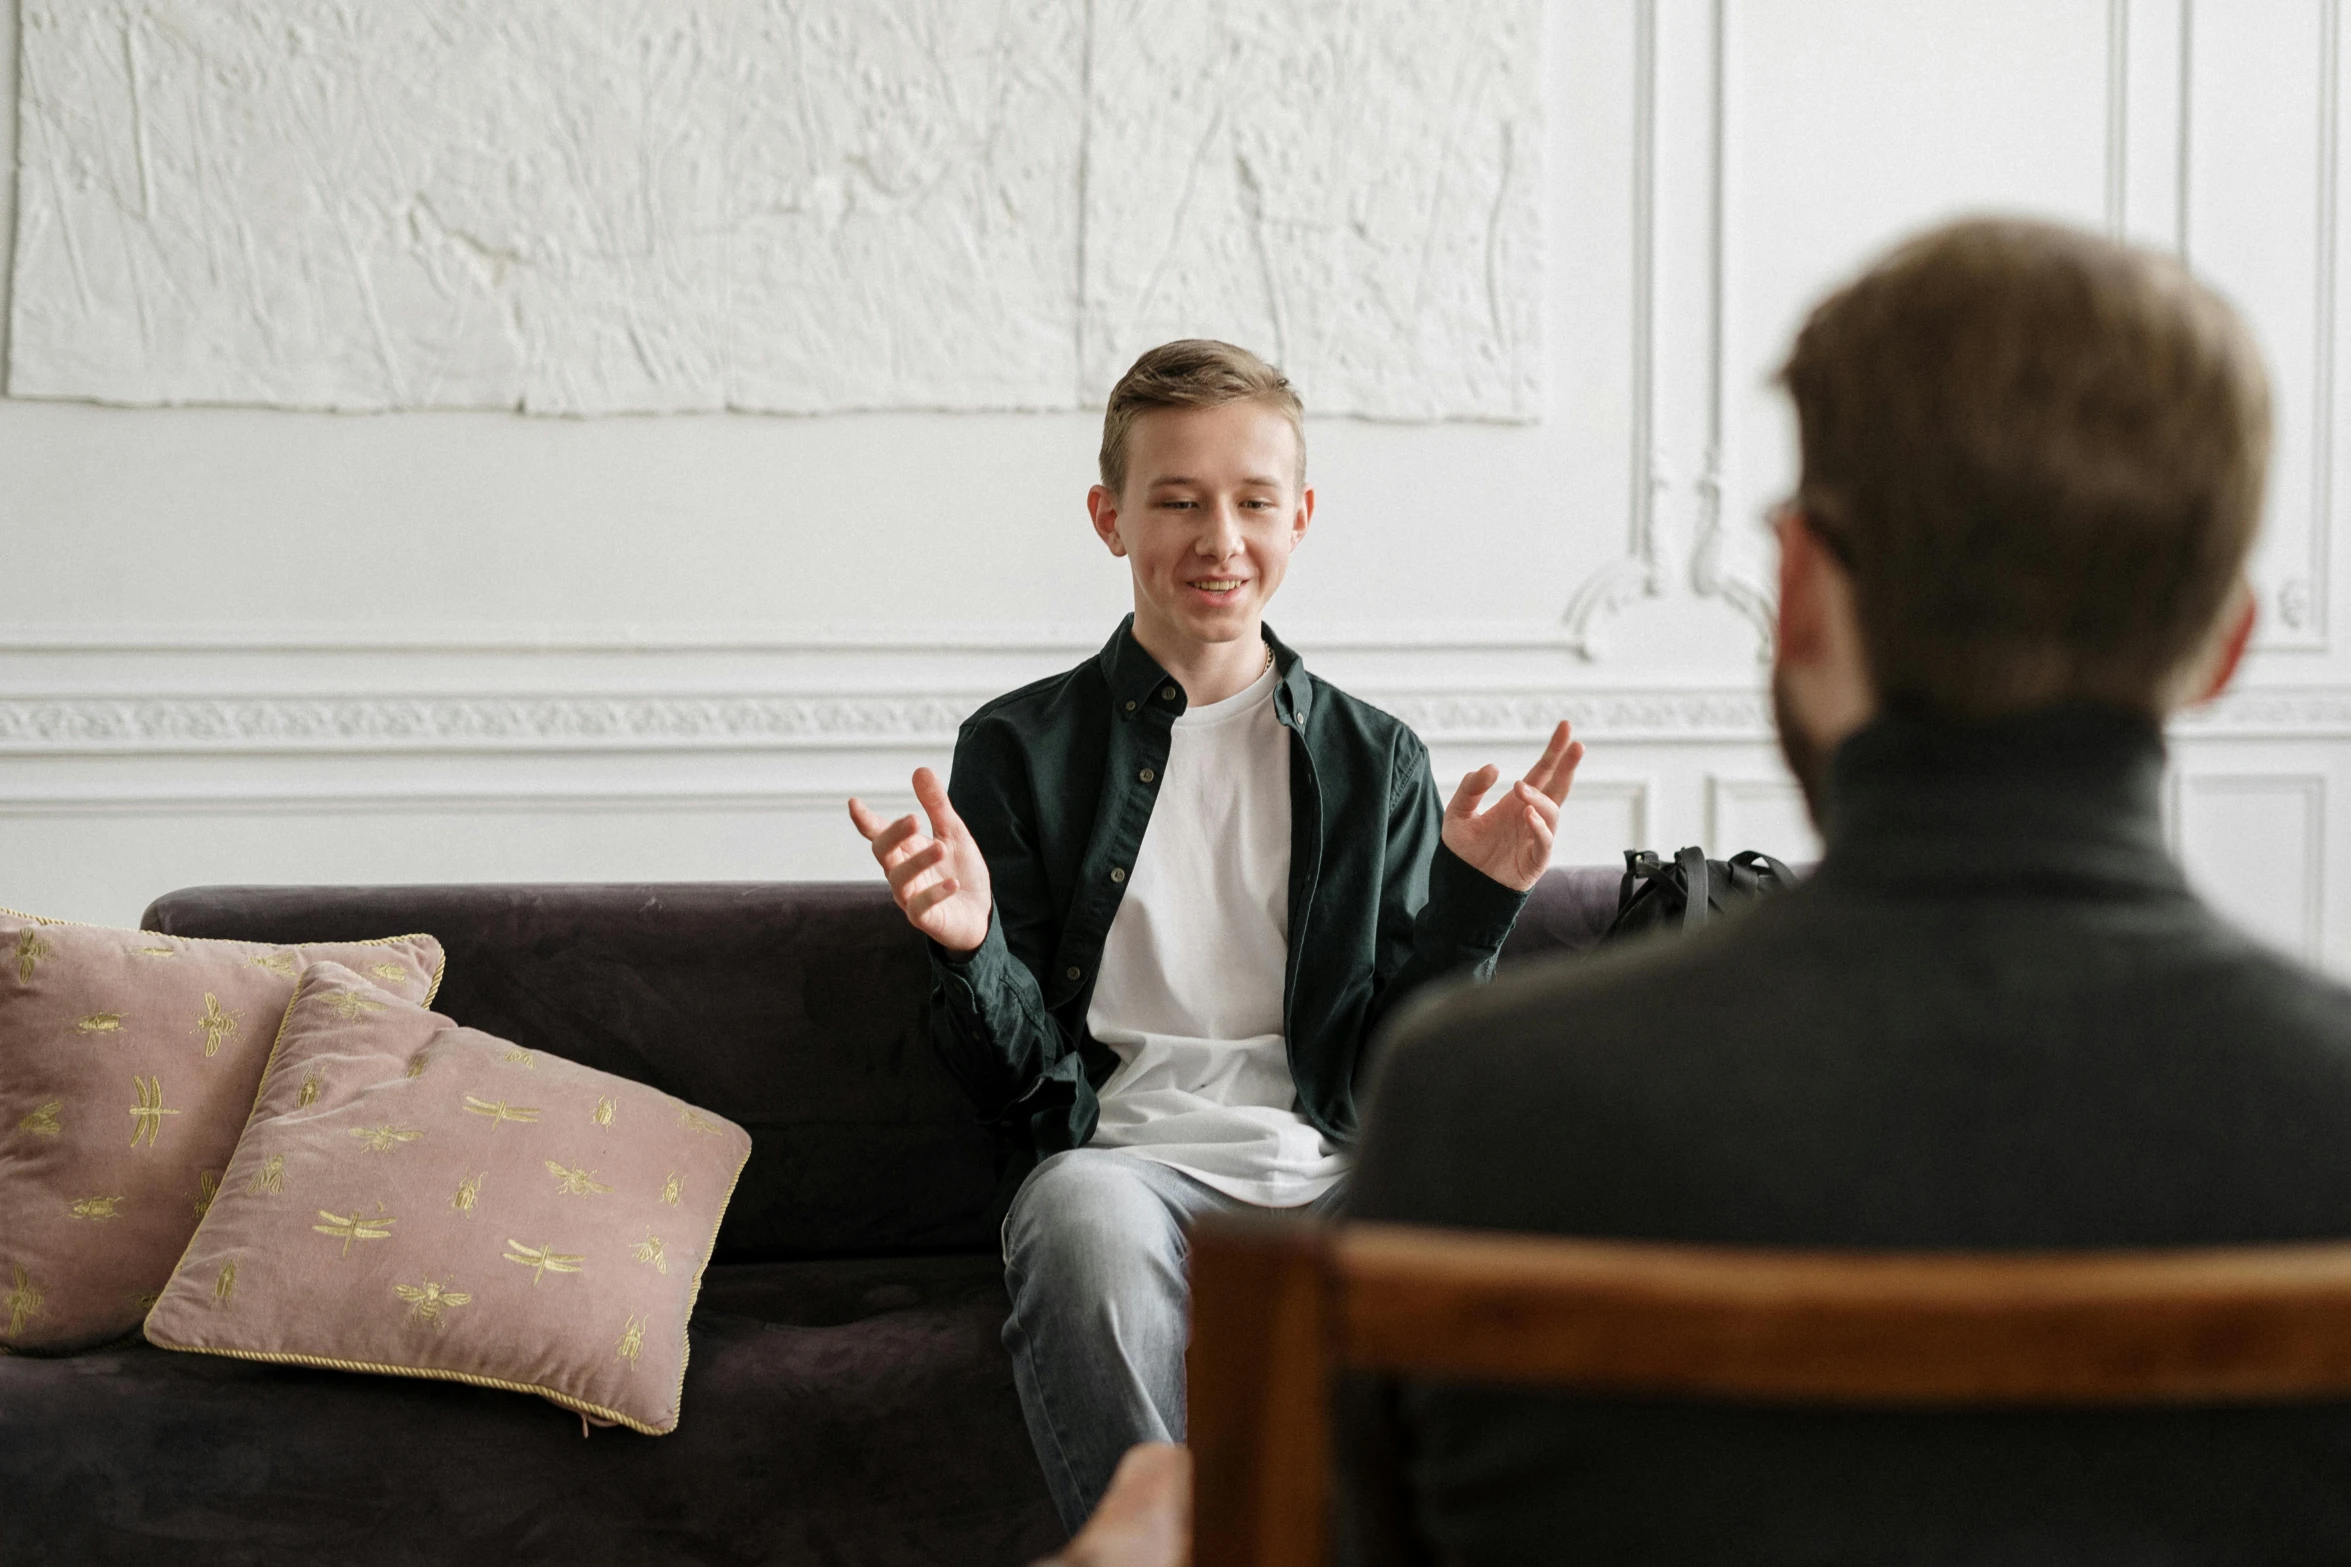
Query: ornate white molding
[{"x": 137, "y": 725}]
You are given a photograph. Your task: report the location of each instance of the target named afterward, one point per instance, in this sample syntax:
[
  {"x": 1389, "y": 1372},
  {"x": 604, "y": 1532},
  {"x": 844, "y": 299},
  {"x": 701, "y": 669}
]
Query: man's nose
[{"x": 1221, "y": 537}]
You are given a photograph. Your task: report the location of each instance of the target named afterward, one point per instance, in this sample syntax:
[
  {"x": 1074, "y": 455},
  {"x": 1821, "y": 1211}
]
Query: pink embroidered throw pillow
[
  {"x": 128, "y": 1062},
  {"x": 420, "y": 1199}
]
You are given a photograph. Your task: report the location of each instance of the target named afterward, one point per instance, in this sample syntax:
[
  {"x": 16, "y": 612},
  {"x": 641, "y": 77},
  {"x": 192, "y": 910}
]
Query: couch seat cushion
[{"x": 845, "y": 1412}]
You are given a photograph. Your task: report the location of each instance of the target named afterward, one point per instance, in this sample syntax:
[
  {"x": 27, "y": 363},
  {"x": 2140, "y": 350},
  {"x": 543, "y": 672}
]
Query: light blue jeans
[{"x": 1094, "y": 1258}]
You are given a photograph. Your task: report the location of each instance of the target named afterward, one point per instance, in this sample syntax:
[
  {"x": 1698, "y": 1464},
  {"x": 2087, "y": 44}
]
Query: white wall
[{"x": 242, "y": 645}]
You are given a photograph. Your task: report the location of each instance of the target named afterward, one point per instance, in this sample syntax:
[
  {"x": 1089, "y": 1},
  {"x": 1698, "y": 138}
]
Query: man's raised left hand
[{"x": 1511, "y": 841}]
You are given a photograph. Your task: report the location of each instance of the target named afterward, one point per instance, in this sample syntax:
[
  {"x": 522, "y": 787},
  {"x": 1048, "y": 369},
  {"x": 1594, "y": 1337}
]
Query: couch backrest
[{"x": 794, "y": 1008}]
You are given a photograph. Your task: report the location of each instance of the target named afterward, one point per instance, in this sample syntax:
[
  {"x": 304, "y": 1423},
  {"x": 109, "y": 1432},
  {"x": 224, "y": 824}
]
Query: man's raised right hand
[{"x": 938, "y": 878}]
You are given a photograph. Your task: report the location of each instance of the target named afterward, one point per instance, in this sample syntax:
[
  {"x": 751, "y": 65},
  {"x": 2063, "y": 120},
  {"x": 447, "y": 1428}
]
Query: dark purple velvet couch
[{"x": 847, "y": 1401}]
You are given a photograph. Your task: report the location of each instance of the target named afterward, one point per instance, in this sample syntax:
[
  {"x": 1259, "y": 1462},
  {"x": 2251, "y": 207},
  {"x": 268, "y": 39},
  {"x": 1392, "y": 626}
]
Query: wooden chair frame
[{"x": 1280, "y": 1306}]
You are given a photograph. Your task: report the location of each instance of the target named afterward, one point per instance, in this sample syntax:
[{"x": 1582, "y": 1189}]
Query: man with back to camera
[
  {"x": 1176, "y": 889},
  {"x": 1994, "y": 1018}
]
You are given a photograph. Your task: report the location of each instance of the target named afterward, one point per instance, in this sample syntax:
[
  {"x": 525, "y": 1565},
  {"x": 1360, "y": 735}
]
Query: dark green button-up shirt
[{"x": 1056, "y": 782}]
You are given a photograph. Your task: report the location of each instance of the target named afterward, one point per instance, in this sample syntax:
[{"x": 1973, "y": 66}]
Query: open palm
[
  {"x": 939, "y": 878},
  {"x": 1511, "y": 841}
]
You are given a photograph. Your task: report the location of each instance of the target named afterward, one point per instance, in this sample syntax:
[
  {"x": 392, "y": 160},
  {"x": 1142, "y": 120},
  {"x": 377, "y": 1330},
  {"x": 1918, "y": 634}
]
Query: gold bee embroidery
[
  {"x": 391, "y": 971},
  {"x": 216, "y": 1024},
  {"x": 351, "y": 1006},
  {"x": 279, "y": 963},
  {"x": 672, "y": 1188},
  {"x": 649, "y": 1250},
  {"x": 356, "y": 1226},
  {"x": 147, "y": 1115},
  {"x": 207, "y": 1188},
  {"x": 97, "y": 1209},
  {"x": 23, "y": 1303},
  {"x": 226, "y": 1285},
  {"x": 688, "y": 1116},
  {"x": 383, "y": 1139},
  {"x": 270, "y": 1178},
  {"x": 311, "y": 1083},
  {"x": 632, "y": 1340},
  {"x": 575, "y": 1183},
  {"x": 544, "y": 1259},
  {"x": 428, "y": 1300},
  {"x": 469, "y": 1192},
  {"x": 522, "y": 1058},
  {"x": 602, "y": 1114},
  {"x": 99, "y": 1023},
  {"x": 30, "y": 950},
  {"x": 153, "y": 952},
  {"x": 43, "y": 1122},
  {"x": 499, "y": 1110}
]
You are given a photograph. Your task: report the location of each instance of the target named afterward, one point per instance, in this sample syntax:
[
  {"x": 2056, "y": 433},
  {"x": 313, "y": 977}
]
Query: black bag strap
[
  {"x": 1749, "y": 859},
  {"x": 1697, "y": 886}
]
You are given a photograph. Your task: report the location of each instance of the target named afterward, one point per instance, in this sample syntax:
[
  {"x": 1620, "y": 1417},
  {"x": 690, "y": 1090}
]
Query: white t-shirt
[{"x": 1190, "y": 992}]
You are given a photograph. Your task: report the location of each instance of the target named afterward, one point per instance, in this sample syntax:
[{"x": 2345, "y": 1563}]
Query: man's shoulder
[
  {"x": 1041, "y": 703},
  {"x": 1342, "y": 717}
]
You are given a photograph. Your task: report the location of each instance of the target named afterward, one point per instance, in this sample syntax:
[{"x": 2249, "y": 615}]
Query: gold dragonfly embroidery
[
  {"x": 226, "y": 1285},
  {"x": 43, "y": 1122},
  {"x": 632, "y": 1340},
  {"x": 207, "y": 1188},
  {"x": 308, "y": 1096},
  {"x": 142, "y": 1304},
  {"x": 99, "y": 1023},
  {"x": 429, "y": 1299},
  {"x": 383, "y": 1139},
  {"x": 153, "y": 952},
  {"x": 30, "y": 950},
  {"x": 270, "y": 1178},
  {"x": 147, "y": 1115},
  {"x": 356, "y": 1226},
  {"x": 217, "y": 1023},
  {"x": 499, "y": 1110},
  {"x": 424, "y": 1058},
  {"x": 649, "y": 1250},
  {"x": 673, "y": 1187},
  {"x": 575, "y": 1183},
  {"x": 544, "y": 1259},
  {"x": 469, "y": 1192},
  {"x": 391, "y": 971},
  {"x": 97, "y": 1209},
  {"x": 279, "y": 963},
  {"x": 690, "y": 1117},
  {"x": 350, "y": 1005},
  {"x": 23, "y": 1302},
  {"x": 521, "y": 1057},
  {"x": 602, "y": 1114}
]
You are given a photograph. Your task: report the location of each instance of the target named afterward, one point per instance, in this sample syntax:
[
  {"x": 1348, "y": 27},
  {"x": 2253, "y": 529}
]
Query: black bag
[{"x": 1684, "y": 892}]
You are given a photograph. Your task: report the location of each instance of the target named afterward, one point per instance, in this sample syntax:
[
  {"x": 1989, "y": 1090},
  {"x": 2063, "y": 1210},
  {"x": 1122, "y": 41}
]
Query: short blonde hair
[{"x": 1193, "y": 372}]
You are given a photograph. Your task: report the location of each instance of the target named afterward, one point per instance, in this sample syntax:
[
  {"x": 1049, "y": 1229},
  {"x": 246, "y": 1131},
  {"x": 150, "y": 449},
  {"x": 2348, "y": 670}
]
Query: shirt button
[
  {"x": 1075, "y": 972},
  {"x": 1146, "y": 775},
  {"x": 1167, "y": 693},
  {"x": 1130, "y": 707},
  {"x": 1118, "y": 873}
]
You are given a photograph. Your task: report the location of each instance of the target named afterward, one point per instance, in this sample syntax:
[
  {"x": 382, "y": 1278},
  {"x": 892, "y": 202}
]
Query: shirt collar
[{"x": 1138, "y": 685}]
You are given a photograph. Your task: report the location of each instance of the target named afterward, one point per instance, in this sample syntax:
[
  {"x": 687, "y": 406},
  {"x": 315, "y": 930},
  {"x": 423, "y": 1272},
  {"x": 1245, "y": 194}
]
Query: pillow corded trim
[
  {"x": 426, "y": 1373},
  {"x": 677, "y": 1400}
]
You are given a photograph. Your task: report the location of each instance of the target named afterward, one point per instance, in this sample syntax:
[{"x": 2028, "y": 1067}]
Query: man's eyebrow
[{"x": 1252, "y": 481}]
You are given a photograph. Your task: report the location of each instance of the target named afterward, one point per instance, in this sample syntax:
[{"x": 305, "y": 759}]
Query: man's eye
[{"x": 1176, "y": 505}]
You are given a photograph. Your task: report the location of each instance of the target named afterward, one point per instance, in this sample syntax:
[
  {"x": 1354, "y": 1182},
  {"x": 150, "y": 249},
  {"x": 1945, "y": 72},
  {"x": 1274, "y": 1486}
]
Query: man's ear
[
  {"x": 1102, "y": 507},
  {"x": 2230, "y": 648},
  {"x": 1303, "y": 518},
  {"x": 1802, "y": 634}
]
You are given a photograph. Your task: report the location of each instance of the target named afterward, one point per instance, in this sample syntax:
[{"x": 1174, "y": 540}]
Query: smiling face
[{"x": 1211, "y": 508}]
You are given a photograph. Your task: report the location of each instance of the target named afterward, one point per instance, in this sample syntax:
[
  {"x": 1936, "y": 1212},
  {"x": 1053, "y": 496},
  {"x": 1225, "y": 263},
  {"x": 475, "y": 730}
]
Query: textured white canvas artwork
[{"x": 596, "y": 206}]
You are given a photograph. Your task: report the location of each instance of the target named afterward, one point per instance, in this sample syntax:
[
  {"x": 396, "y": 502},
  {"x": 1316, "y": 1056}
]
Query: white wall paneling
[
  {"x": 2254, "y": 844},
  {"x": 250, "y": 645}
]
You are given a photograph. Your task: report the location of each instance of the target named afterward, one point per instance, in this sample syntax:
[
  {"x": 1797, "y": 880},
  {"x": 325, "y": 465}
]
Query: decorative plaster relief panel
[
  {"x": 1350, "y": 184},
  {"x": 599, "y": 207}
]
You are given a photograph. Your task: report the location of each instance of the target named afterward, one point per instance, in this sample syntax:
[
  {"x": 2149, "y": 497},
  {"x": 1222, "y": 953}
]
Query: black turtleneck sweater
[{"x": 1995, "y": 1017}]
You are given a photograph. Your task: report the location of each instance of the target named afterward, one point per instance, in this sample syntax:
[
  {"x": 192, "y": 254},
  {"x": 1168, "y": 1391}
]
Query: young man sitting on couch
[{"x": 1171, "y": 893}]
